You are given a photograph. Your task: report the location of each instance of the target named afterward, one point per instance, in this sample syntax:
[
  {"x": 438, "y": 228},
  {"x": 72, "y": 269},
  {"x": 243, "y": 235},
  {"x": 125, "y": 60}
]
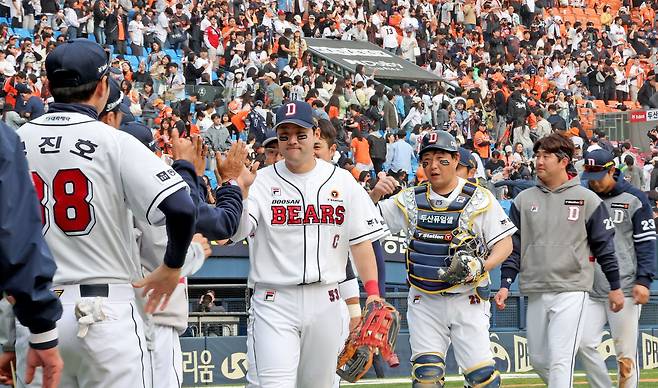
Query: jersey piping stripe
[
  {"x": 304, "y": 206},
  {"x": 63, "y": 125},
  {"x": 253, "y": 341},
  {"x": 576, "y": 339},
  {"x": 254, "y": 218},
  {"x": 366, "y": 234},
  {"x": 317, "y": 253},
  {"x": 651, "y": 233},
  {"x": 645, "y": 239},
  {"x": 498, "y": 237},
  {"x": 173, "y": 358},
  {"x": 182, "y": 184},
  {"x": 139, "y": 342}
]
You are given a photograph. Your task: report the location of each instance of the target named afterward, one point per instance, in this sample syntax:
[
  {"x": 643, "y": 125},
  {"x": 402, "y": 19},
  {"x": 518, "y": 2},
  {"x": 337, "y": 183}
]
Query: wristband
[
  {"x": 354, "y": 309},
  {"x": 372, "y": 288}
]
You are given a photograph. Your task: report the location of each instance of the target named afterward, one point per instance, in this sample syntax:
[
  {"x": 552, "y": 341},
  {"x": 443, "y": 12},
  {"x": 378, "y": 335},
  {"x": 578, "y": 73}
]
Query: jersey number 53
[{"x": 71, "y": 207}]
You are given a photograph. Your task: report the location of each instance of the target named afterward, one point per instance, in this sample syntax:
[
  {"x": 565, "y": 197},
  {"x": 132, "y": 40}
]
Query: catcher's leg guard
[
  {"x": 428, "y": 370},
  {"x": 483, "y": 376}
]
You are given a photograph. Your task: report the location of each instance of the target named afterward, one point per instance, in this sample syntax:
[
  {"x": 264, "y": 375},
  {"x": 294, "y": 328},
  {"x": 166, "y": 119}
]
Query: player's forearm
[
  {"x": 499, "y": 252},
  {"x": 180, "y": 214},
  {"x": 364, "y": 258}
]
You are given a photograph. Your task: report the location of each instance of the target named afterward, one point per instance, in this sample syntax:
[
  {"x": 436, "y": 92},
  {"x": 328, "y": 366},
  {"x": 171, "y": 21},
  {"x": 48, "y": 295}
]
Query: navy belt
[{"x": 94, "y": 290}]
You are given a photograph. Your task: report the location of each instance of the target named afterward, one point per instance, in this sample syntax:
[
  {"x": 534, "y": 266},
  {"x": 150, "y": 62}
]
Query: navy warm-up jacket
[{"x": 26, "y": 264}]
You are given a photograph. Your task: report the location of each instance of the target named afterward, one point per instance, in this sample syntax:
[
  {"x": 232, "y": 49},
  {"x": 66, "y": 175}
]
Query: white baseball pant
[
  {"x": 295, "y": 336},
  {"x": 112, "y": 353},
  {"x": 624, "y": 331},
  {"x": 437, "y": 320},
  {"x": 167, "y": 357},
  {"x": 555, "y": 322}
]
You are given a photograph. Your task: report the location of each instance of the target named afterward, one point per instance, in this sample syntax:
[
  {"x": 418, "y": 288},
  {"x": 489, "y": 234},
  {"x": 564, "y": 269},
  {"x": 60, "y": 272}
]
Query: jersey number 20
[{"x": 72, "y": 210}]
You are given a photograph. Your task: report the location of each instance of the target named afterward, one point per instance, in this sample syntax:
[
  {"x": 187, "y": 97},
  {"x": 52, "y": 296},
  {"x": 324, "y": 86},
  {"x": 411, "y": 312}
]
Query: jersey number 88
[{"x": 72, "y": 210}]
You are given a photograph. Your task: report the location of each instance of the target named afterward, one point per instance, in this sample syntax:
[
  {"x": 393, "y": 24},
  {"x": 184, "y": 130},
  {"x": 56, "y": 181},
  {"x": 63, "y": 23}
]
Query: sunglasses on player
[{"x": 596, "y": 168}]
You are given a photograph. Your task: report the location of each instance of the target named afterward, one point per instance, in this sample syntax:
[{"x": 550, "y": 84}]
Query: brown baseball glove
[{"x": 376, "y": 333}]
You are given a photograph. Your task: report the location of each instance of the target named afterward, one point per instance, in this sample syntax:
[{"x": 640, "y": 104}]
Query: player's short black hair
[
  {"x": 327, "y": 131},
  {"x": 555, "y": 144},
  {"x": 74, "y": 94}
]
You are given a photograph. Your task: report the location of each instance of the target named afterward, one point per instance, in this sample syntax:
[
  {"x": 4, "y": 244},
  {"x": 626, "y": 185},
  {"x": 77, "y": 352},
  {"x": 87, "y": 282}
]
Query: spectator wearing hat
[
  {"x": 482, "y": 142},
  {"x": 174, "y": 83},
  {"x": 409, "y": 46},
  {"x": 273, "y": 92},
  {"x": 281, "y": 24}
]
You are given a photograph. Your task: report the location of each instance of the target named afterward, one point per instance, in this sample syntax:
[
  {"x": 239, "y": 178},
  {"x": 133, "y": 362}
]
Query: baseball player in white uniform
[
  {"x": 305, "y": 215},
  {"x": 435, "y": 218},
  {"x": 164, "y": 327},
  {"x": 86, "y": 178},
  {"x": 635, "y": 243}
]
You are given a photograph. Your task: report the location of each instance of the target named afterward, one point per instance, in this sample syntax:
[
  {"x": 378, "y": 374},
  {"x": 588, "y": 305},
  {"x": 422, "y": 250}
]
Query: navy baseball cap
[
  {"x": 22, "y": 88},
  {"x": 115, "y": 100},
  {"x": 270, "y": 137},
  {"x": 597, "y": 164},
  {"x": 296, "y": 112},
  {"x": 467, "y": 159},
  {"x": 141, "y": 132},
  {"x": 438, "y": 141},
  {"x": 76, "y": 62}
]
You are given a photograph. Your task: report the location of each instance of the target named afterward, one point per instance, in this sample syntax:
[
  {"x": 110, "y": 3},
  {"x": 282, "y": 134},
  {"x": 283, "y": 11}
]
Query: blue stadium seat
[
  {"x": 4, "y": 20},
  {"x": 92, "y": 37},
  {"x": 133, "y": 60},
  {"x": 22, "y": 32},
  {"x": 172, "y": 53}
]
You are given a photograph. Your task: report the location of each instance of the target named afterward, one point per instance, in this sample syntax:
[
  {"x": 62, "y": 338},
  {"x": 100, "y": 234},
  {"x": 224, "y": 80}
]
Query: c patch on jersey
[
  {"x": 574, "y": 202},
  {"x": 619, "y": 205},
  {"x": 269, "y": 295}
]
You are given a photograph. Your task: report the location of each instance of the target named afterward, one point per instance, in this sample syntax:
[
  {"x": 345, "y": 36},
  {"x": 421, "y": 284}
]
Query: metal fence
[{"x": 234, "y": 298}]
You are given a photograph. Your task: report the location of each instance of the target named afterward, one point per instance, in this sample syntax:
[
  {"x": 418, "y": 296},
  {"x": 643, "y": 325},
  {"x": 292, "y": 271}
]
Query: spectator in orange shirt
[
  {"x": 361, "y": 152},
  {"x": 10, "y": 90},
  {"x": 482, "y": 142},
  {"x": 163, "y": 110},
  {"x": 539, "y": 81},
  {"x": 348, "y": 165}
]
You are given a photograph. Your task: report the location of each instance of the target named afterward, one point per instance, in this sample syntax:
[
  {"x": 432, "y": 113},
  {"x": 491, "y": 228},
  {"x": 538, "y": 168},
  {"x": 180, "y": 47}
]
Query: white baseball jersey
[
  {"x": 304, "y": 224},
  {"x": 91, "y": 180}
]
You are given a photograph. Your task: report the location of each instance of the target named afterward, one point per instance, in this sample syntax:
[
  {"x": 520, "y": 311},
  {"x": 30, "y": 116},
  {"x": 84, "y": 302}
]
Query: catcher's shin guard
[
  {"x": 484, "y": 375},
  {"x": 428, "y": 370}
]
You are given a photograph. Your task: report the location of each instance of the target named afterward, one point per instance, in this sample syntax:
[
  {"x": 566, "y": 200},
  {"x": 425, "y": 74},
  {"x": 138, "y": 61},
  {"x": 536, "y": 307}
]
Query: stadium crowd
[{"x": 514, "y": 71}]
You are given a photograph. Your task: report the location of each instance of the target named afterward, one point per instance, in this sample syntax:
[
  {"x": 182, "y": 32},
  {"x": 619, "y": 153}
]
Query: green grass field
[{"x": 648, "y": 379}]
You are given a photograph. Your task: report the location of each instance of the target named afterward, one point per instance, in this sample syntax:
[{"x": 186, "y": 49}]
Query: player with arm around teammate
[
  {"x": 560, "y": 224},
  {"x": 85, "y": 175},
  {"x": 304, "y": 214},
  {"x": 441, "y": 218},
  {"x": 635, "y": 243}
]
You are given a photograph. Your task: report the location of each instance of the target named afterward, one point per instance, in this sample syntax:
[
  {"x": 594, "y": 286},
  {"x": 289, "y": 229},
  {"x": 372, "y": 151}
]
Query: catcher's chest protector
[{"x": 431, "y": 232}]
